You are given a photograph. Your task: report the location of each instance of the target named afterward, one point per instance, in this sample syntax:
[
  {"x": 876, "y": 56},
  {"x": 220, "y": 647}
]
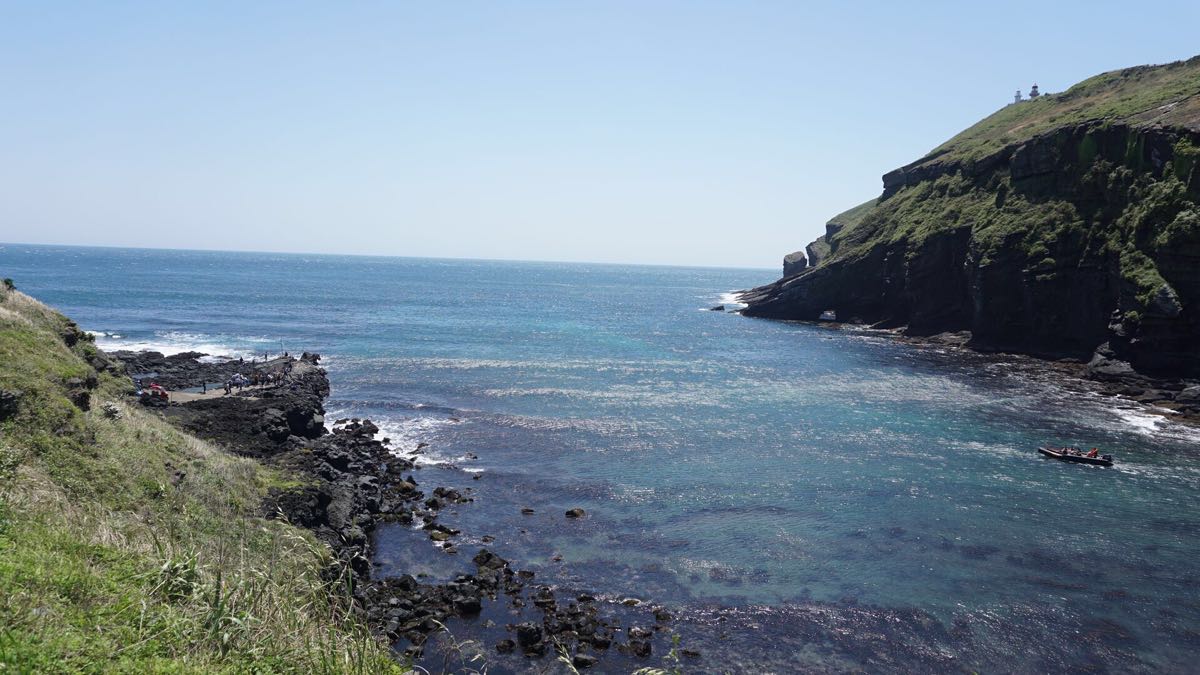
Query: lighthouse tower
[{"x": 1033, "y": 93}]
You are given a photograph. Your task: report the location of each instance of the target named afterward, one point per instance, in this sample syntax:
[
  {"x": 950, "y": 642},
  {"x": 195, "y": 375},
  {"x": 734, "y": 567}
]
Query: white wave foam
[
  {"x": 731, "y": 299},
  {"x": 405, "y": 436},
  {"x": 177, "y": 342},
  {"x": 1145, "y": 423}
]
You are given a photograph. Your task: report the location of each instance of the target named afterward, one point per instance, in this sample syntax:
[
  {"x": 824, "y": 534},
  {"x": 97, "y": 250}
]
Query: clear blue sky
[{"x": 692, "y": 133}]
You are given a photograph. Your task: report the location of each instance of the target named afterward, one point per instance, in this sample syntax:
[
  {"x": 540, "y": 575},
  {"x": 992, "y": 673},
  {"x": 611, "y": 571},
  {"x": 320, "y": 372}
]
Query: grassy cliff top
[
  {"x": 1167, "y": 94},
  {"x": 851, "y": 217},
  {"x": 846, "y": 221},
  {"x": 128, "y": 546}
]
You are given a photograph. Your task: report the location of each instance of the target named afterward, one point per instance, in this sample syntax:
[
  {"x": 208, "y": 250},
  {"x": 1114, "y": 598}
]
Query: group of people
[
  {"x": 238, "y": 381},
  {"x": 1076, "y": 452},
  {"x": 155, "y": 390},
  {"x": 256, "y": 379}
]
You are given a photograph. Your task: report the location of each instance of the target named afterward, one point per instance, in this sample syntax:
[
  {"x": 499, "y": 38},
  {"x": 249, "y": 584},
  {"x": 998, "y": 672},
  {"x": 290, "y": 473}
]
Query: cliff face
[{"x": 1084, "y": 234}]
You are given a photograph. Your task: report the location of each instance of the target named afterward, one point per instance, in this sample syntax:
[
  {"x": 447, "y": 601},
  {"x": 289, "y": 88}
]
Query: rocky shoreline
[
  {"x": 1174, "y": 399},
  {"x": 351, "y": 482}
]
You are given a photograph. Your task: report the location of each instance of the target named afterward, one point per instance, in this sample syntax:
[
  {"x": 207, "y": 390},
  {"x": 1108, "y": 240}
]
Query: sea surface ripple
[{"x": 803, "y": 498}]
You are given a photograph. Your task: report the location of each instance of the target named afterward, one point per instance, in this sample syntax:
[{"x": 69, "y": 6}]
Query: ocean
[{"x": 799, "y": 497}]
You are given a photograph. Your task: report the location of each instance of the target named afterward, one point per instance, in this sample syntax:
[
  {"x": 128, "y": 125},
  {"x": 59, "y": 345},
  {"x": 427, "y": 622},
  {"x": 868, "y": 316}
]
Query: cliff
[{"x": 1054, "y": 227}]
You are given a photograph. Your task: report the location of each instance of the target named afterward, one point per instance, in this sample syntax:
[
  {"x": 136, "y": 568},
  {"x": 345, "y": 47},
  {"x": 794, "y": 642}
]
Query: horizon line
[{"x": 381, "y": 255}]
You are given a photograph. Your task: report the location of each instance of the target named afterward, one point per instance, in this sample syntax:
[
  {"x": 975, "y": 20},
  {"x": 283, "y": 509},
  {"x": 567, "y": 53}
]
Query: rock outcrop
[
  {"x": 794, "y": 263},
  {"x": 1084, "y": 235},
  {"x": 10, "y": 402},
  {"x": 179, "y": 371},
  {"x": 264, "y": 421}
]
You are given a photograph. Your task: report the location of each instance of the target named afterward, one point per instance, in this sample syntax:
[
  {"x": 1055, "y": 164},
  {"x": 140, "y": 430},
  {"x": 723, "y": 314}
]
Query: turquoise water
[{"x": 802, "y": 497}]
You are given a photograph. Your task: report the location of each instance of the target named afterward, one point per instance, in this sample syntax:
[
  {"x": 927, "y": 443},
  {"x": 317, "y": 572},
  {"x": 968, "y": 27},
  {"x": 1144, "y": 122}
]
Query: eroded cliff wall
[{"x": 1083, "y": 235}]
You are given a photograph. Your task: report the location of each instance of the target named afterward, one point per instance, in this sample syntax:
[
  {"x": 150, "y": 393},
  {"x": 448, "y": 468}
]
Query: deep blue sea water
[{"x": 802, "y": 498}]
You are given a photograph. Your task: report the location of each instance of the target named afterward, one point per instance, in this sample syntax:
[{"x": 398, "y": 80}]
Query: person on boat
[{"x": 1094, "y": 453}]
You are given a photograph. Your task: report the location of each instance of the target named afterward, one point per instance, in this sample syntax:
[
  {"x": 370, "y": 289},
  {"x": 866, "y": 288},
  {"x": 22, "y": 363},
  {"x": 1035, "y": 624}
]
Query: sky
[{"x": 682, "y": 133}]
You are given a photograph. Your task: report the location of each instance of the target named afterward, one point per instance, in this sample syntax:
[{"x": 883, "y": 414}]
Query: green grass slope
[
  {"x": 1052, "y": 227},
  {"x": 1143, "y": 214},
  {"x": 1131, "y": 215},
  {"x": 128, "y": 546},
  {"x": 1167, "y": 94},
  {"x": 844, "y": 223},
  {"x": 849, "y": 218}
]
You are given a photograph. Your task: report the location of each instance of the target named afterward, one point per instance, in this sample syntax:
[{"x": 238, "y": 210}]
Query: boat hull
[{"x": 1078, "y": 459}]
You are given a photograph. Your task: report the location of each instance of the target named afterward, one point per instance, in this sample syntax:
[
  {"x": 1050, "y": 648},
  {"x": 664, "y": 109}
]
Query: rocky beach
[
  {"x": 350, "y": 481},
  {"x": 1176, "y": 399}
]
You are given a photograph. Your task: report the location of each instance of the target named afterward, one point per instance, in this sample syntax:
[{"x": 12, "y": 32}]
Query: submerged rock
[
  {"x": 583, "y": 661},
  {"x": 529, "y": 635}
]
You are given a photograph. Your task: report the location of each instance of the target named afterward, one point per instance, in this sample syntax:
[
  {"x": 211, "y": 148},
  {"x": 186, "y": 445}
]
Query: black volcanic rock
[
  {"x": 9, "y": 403},
  {"x": 179, "y": 371},
  {"x": 529, "y": 635},
  {"x": 348, "y": 483},
  {"x": 794, "y": 263},
  {"x": 264, "y": 422},
  {"x": 1053, "y": 246}
]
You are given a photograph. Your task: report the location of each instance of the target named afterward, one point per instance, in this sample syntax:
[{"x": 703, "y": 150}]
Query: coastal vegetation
[
  {"x": 128, "y": 545},
  {"x": 1164, "y": 94},
  {"x": 1033, "y": 229}
]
